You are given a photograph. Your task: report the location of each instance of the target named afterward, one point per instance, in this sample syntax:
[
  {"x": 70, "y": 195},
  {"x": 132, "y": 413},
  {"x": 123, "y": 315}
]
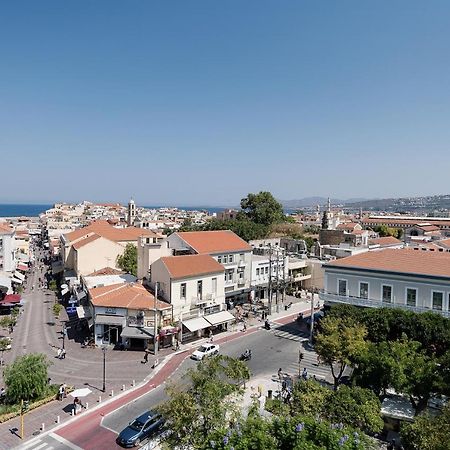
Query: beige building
[{"x": 99, "y": 245}]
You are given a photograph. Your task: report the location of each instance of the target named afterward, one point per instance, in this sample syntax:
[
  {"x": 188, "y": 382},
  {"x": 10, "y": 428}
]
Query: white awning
[
  {"x": 16, "y": 280},
  {"x": 136, "y": 333},
  {"x": 199, "y": 323},
  {"x": 103, "y": 319},
  {"x": 64, "y": 291},
  {"x": 19, "y": 275},
  {"x": 220, "y": 317}
]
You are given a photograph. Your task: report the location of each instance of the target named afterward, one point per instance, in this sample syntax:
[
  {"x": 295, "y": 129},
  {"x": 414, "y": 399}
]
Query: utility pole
[
  {"x": 104, "y": 368},
  {"x": 312, "y": 319},
  {"x": 155, "y": 338},
  {"x": 270, "y": 279},
  {"x": 284, "y": 277}
]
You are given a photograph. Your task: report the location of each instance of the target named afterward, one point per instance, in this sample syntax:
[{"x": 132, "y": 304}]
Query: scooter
[
  {"x": 246, "y": 356},
  {"x": 267, "y": 325}
]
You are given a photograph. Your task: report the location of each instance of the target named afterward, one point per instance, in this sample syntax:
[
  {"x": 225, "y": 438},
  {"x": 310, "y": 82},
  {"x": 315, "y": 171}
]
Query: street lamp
[
  {"x": 104, "y": 368},
  {"x": 64, "y": 332}
]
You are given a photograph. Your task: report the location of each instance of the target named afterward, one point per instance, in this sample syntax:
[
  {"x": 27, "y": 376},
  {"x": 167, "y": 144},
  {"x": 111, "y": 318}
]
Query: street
[{"x": 274, "y": 349}]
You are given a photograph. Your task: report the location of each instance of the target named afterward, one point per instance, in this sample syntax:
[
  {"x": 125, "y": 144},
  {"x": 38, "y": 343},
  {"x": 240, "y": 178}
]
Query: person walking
[
  {"x": 245, "y": 326},
  {"x": 76, "y": 405},
  {"x": 63, "y": 354},
  {"x": 146, "y": 356},
  {"x": 211, "y": 336},
  {"x": 305, "y": 374},
  {"x": 61, "y": 392}
]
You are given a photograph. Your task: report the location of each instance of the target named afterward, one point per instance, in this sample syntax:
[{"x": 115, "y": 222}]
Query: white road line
[
  {"x": 30, "y": 444},
  {"x": 40, "y": 446},
  {"x": 67, "y": 443}
]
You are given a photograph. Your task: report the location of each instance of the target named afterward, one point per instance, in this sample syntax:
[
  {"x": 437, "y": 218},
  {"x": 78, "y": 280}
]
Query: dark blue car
[{"x": 141, "y": 428}]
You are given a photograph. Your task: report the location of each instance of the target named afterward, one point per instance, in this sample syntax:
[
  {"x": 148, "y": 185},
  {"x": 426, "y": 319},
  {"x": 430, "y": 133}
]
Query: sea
[{"x": 19, "y": 210}]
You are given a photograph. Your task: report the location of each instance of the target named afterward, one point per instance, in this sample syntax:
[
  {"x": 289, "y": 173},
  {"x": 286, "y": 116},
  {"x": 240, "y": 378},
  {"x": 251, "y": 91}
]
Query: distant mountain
[
  {"x": 313, "y": 201},
  {"x": 405, "y": 204}
]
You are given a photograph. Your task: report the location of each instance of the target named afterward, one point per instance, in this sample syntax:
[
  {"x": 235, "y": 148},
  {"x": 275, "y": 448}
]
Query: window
[
  {"x": 342, "y": 288},
  {"x": 199, "y": 289},
  {"x": 219, "y": 259},
  {"x": 364, "y": 290},
  {"x": 241, "y": 275},
  {"x": 183, "y": 290},
  {"x": 214, "y": 285},
  {"x": 225, "y": 260},
  {"x": 229, "y": 275},
  {"x": 230, "y": 258},
  {"x": 257, "y": 272},
  {"x": 267, "y": 270},
  {"x": 241, "y": 257},
  {"x": 411, "y": 296},
  {"x": 386, "y": 294},
  {"x": 438, "y": 300}
]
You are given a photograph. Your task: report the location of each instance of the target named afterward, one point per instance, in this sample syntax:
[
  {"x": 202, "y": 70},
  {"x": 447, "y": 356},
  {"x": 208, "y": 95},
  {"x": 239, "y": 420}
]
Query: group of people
[
  {"x": 62, "y": 391},
  {"x": 61, "y": 353}
]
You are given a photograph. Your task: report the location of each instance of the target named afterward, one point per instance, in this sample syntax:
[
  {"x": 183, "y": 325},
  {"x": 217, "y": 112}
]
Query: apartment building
[
  {"x": 194, "y": 285},
  {"x": 7, "y": 248},
  {"x": 228, "y": 249},
  {"x": 399, "y": 278}
]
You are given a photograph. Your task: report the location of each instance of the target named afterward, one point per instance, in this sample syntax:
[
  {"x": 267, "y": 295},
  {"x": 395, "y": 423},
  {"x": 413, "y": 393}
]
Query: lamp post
[
  {"x": 64, "y": 332},
  {"x": 104, "y": 368}
]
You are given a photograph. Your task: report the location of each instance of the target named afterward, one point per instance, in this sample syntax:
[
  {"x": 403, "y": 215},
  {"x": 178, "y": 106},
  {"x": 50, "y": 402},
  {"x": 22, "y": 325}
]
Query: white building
[
  {"x": 402, "y": 278},
  {"x": 228, "y": 249},
  {"x": 194, "y": 285},
  {"x": 7, "y": 248}
]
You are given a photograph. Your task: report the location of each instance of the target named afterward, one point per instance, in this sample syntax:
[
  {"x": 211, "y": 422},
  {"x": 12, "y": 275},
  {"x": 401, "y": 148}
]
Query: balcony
[
  {"x": 231, "y": 281},
  {"x": 372, "y": 303},
  {"x": 202, "y": 300},
  {"x": 299, "y": 277}
]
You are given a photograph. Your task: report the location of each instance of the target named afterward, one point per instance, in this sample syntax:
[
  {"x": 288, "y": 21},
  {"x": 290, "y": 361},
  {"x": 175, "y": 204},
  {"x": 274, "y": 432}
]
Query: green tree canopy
[
  {"x": 26, "y": 378},
  {"x": 339, "y": 343},
  {"x": 263, "y": 208},
  {"x": 128, "y": 260}
]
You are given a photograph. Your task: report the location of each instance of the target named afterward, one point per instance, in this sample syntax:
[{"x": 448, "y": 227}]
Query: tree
[
  {"x": 356, "y": 407},
  {"x": 309, "y": 398},
  {"x": 57, "y": 310},
  {"x": 128, "y": 260},
  {"x": 428, "y": 432},
  {"x": 4, "y": 345},
  {"x": 262, "y": 208},
  {"x": 325, "y": 223},
  {"x": 53, "y": 286},
  {"x": 339, "y": 343},
  {"x": 26, "y": 378},
  {"x": 196, "y": 414}
]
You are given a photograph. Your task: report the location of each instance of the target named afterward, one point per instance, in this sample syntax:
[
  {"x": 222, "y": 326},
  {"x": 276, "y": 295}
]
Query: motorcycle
[
  {"x": 246, "y": 356},
  {"x": 267, "y": 325}
]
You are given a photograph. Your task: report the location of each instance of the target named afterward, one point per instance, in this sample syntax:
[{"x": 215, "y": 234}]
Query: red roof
[
  {"x": 191, "y": 265},
  {"x": 214, "y": 241}
]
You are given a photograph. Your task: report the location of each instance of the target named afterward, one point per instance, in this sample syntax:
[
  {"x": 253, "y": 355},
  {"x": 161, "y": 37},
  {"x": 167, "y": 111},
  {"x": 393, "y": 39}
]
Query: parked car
[
  {"x": 143, "y": 427},
  {"x": 205, "y": 350}
]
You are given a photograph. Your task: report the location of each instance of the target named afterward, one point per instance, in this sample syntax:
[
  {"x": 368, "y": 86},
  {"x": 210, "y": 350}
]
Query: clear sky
[{"x": 198, "y": 102}]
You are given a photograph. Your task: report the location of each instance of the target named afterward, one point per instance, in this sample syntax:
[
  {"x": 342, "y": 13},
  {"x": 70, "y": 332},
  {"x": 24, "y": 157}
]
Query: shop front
[
  {"x": 108, "y": 328},
  {"x": 193, "y": 329},
  {"x": 219, "y": 321},
  {"x": 137, "y": 338}
]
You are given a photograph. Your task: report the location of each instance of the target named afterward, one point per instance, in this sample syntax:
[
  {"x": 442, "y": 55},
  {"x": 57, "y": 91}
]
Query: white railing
[{"x": 372, "y": 303}]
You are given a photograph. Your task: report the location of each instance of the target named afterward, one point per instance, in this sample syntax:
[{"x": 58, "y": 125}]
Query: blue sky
[{"x": 200, "y": 102}]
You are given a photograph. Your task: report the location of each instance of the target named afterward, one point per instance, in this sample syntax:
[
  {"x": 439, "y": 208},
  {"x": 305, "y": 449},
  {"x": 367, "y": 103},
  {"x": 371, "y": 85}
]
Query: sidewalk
[{"x": 170, "y": 362}]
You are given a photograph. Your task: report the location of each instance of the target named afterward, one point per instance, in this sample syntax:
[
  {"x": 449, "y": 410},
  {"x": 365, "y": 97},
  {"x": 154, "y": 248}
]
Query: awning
[
  {"x": 16, "y": 280},
  {"x": 64, "y": 291},
  {"x": 136, "y": 333},
  {"x": 19, "y": 275},
  {"x": 83, "y": 312},
  {"x": 80, "y": 294},
  {"x": 103, "y": 319},
  {"x": 220, "y": 317},
  {"x": 199, "y": 323},
  {"x": 22, "y": 267}
]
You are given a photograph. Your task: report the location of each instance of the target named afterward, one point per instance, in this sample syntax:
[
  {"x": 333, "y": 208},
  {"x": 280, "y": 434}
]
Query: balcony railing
[
  {"x": 372, "y": 303},
  {"x": 202, "y": 299}
]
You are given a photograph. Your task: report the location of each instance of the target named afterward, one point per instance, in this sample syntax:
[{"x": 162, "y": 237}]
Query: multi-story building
[
  {"x": 228, "y": 249},
  {"x": 7, "y": 248},
  {"x": 399, "y": 278},
  {"x": 194, "y": 285}
]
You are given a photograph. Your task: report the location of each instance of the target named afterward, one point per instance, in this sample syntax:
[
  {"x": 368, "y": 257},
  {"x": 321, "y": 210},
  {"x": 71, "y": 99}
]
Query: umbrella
[{"x": 80, "y": 392}]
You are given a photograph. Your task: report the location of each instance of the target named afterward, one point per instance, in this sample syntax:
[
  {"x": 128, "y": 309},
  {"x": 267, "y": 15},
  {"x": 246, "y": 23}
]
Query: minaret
[
  {"x": 131, "y": 212},
  {"x": 318, "y": 212},
  {"x": 329, "y": 206}
]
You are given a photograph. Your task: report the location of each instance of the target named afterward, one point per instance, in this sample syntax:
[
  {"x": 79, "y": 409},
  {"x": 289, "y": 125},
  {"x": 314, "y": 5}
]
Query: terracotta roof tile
[
  {"x": 106, "y": 271},
  {"x": 104, "y": 229},
  {"x": 386, "y": 240},
  {"x": 191, "y": 265},
  {"x": 86, "y": 240},
  {"x": 214, "y": 241},
  {"x": 125, "y": 295},
  {"x": 407, "y": 261}
]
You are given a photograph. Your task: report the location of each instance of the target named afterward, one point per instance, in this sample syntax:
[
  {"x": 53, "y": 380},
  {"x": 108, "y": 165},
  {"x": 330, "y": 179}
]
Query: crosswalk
[
  {"x": 293, "y": 332},
  {"x": 52, "y": 441}
]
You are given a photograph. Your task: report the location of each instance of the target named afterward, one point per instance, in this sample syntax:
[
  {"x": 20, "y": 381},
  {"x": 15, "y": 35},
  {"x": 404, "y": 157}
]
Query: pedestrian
[
  {"x": 61, "y": 392},
  {"x": 146, "y": 356},
  {"x": 305, "y": 374},
  {"x": 245, "y": 326},
  {"x": 280, "y": 374},
  {"x": 76, "y": 405},
  {"x": 59, "y": 353},
  {"x": 177, "y": 344},
  {"x": 63, "y": 353},
  {"x": 64, "y": 385},
  {"x": 211, "y": 337}
]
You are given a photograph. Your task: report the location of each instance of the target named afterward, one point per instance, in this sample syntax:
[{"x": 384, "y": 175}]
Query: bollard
[
  {"x": 58, "y": 419},
  {"x": 99, "y": 398},
  {"x": 43, "y": 426},
  {"x": 87, "y": 405},
  {"x": 133, "y": 383},
  {"x": 72, "y": 413},
  {"x": 123, "y": 387},
  {"x": 112, "y": 392}
]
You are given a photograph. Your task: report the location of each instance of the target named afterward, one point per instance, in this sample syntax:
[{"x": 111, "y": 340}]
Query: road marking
[
  {"x": 30, "y": 444},
  {"x": 40, "y": 446},
  {"x": 67, "y": 443}
]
